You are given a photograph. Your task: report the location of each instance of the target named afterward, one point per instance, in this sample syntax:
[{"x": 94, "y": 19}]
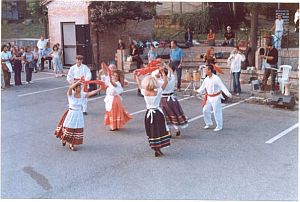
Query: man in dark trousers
[{"x": 271, "y": 57}]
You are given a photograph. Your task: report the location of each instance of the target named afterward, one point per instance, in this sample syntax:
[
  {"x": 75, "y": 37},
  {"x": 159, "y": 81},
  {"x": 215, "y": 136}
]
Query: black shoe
[
  {"x": 178, "y": 133},
  {"x": 85, "y": 113}
]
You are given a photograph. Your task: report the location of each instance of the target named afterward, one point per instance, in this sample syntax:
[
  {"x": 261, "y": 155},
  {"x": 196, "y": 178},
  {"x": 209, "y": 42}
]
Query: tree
[
  {"x": 253, "y": 32},
  {"x": 105, "y": 14}
]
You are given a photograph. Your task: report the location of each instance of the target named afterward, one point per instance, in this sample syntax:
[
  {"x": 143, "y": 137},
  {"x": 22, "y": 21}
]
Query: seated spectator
[
  {"x": 134, "y": 53},
  {"x": 229, "y": 37},
  {"x": 211, "y": 38},
  {"x": 152, "y": 54},
  {"x": 46, "y": 56},
  {"x": 188, "y": 37}
]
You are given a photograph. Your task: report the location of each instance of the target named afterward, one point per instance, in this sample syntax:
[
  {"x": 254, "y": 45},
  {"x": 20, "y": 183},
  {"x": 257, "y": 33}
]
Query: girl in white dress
[{"x": 70, "y": 126}]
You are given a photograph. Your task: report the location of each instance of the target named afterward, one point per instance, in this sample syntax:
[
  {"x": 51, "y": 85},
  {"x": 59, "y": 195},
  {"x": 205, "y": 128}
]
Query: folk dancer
[
  {"x": 77, "y": 72},
  {"x": 172, "y": 109},
  {"x": 212, "y": 87},
  {"x": 71, "y": 125},
  {"x": 115, "y": 116},
  {"x": 155, "y": 124}
]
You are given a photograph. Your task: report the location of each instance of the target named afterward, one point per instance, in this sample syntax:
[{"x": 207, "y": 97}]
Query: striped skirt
[
  {"x": 173, "y": 112},
  {"x": 117, "y": 117},
  {"x": 70, "y": 135},
  {"x": 156, "y": 130}
]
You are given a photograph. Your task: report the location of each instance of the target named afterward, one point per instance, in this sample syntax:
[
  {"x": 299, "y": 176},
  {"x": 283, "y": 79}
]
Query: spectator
[
  {"x": 296, "y": 20},
  {"x": 56, "y": 60},
  {"x": 188, "y": 37},
  {"x": 278, "y": 27},
  {"x": 235, "y": 60},
  {"x": 176, "y": 59},
  {"x": 6, "y": 65},
  {"x": 41, "y": 44},
  {"x": 22, "y": 51},
  {"x": 35, "y": 53},
  {"x": 228, "y": 37},
  {"x": 60, "y": 58},
  {"x": 17, "y": 65},
  {"x": 152, "y": 54},
  {"x": 271, "y": 57},
  {"x": 121, "y": 45},
  {"x": 211, "y": 38},
  {"x": 134, "y": 53},
  {"x": 46, "y": 56},
  {"x": 210, "y": 58},
  {"x": 28, "y": 59}
]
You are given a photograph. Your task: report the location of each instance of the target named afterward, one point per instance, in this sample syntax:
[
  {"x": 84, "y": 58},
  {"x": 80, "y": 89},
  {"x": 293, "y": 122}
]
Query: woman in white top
[
  {"x": 172, "y": 109},
  {"x": 155, "y": 124},
  {"x": 115, "y": 116},
  {"x": 278, "y": 27},
  {"x": 70, "y": 126}
]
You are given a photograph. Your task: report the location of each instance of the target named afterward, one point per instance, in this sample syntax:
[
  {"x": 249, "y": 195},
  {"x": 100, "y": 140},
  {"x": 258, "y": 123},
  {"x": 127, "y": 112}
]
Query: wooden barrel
[
  {"x": 187, "y": 76},
  {"x": 196, "y": 76}
]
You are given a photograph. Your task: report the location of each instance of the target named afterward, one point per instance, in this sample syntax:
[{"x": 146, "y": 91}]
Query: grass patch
[{"x": 18, "y": 30}]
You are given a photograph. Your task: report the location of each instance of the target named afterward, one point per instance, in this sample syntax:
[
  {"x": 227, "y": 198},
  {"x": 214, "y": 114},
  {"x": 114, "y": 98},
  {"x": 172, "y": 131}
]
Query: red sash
[
  {"x": 152, "y": 66},
  {"x": 86, "y": 83},
  {"x": 210, "y": 95}
]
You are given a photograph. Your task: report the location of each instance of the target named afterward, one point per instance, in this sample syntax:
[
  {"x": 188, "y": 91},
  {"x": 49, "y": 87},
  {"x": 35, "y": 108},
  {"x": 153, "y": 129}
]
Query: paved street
[{"x": 233, "y": 164}]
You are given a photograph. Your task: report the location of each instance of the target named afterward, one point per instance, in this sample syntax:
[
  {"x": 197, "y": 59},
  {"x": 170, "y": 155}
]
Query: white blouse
[
  {"x": 111, "y": 92},
  {"x": 152, "y": 102}
]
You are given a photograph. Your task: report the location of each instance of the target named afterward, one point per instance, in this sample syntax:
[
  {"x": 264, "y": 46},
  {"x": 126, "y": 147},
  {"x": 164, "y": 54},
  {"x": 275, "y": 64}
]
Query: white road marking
[
  {"x": 283, "y": 133},
  {"x": 50, "y": 77},
  {"x": 41, "y": 91}
]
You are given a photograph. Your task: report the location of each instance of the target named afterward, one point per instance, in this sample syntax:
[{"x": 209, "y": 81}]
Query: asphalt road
[{"x": 233, "y": 164}]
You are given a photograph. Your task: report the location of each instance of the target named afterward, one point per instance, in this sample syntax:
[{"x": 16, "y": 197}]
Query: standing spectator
[
  {"x": 121, "y": 45},
  {"x": 6, "y": 65},
  {"x": 271, "y": 57},
  {"x": 28, "y": 59},
  {"x": 188, "y": 37},
  {"x": 60, "y": 58},
  {"x": 41, "y": 44},
  {"x": 22, "y": 51},
  {"x": 46, "y": 56},
  {"x": 56, "y": 60},
  {"x": 135, "y": 54},
  {"x": 152, "y": 54},
  {"x": 211, "y": 38},
  {"x": 17, "y": 65},
  {"x": 176, "y": 59},
  {"x": 228, "y": 37},
  {"x": 296, "y": 20},
  {"x": 235, "y": 60},
  {"x": 278, "y": 27},
  {"x": 35, "y": 53}
]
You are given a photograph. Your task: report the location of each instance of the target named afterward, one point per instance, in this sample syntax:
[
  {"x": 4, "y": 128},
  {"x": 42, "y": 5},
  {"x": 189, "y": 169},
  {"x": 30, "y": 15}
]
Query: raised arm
[
  {"x": 165, "y": 79},
  {"x": 94, "y": 92},
  {"x": 73, "y": 86},
  {"x": 137, "y": 79}
]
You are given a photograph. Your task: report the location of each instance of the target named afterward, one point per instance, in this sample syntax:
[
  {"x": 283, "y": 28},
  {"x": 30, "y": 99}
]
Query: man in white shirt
[
  {"x": 77, "y": 72},
  {"x": 235, "y": 61},
  {"x": 41, "y": 44},
  {"x": 212, "y": 88},
  {"x": 278, "y": 26},
  {"x": 5, "y": 60}
]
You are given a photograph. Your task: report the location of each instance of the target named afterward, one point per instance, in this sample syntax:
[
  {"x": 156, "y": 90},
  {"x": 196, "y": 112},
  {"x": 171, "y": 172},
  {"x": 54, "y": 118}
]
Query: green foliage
[
  {"x": 33, "y": 8},
  {"x": 105, "y": 14},
  {"x": 198, "y": 20}
]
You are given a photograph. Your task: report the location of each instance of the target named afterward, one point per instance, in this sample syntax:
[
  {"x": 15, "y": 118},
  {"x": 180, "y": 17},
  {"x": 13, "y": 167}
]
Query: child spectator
[{"x": 28, "y": 59}]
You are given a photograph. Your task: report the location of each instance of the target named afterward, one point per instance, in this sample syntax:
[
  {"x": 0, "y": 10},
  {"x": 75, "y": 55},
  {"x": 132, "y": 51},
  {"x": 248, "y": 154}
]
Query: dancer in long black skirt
[
  {"x": 155, "y": 124},
  {"x": 173, "y": 112}
]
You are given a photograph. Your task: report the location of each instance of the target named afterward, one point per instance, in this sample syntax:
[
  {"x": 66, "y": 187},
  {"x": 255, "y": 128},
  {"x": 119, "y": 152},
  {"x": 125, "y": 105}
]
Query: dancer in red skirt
[
  {"x": 70, "y": 126},
  {"x": 115, "y": 116}
]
